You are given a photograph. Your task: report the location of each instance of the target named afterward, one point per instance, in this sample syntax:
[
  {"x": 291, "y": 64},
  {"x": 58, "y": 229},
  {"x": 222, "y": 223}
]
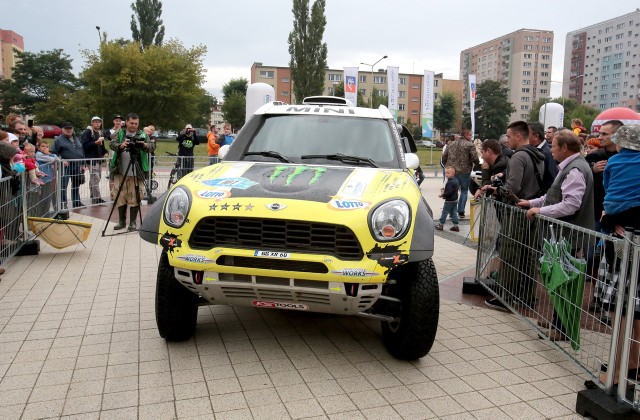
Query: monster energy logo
[{"x": 279, "y": 170}]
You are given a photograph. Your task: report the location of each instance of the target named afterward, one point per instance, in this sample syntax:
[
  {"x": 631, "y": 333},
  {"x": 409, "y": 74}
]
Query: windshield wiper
[
  {"x": 342, "y": 158},
  {"x": 269, "y": 154}
]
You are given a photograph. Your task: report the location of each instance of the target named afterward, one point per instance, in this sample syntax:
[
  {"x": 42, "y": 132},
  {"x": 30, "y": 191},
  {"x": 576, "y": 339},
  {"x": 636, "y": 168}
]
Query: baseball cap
[
  {"x": 96, "y": 118},
  {"x": 188, "y": 126},
  {"x": 66, "y": 124},
  {"x": 117, "y": 117}
]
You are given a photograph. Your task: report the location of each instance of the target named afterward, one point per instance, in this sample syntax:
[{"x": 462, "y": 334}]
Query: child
[
  {"x": 592, "y": 145},
  {"x": 31, "y": 164},
  {"x": 621, "y": 181},
  {"x": 450, "y": 195}
]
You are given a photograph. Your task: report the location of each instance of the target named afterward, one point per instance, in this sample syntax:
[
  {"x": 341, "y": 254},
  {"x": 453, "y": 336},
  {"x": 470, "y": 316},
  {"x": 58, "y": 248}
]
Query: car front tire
[
  {"x": 176, "y": 307},
  {"x": 411, "y": 335}
]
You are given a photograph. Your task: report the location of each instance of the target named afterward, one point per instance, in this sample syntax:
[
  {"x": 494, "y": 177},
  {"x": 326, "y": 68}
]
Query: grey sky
[{"x": 415, "y": 34}]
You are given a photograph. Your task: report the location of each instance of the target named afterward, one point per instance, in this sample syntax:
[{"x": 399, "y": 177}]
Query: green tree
[
  {"x": 162, "y": 85},
  {"x": 492, "y": 109},
  {"x": 234, "y": 109},
  {"x": 378, "y": 99},
  {"x": 235, "y": 85},
  {"x": 34, "y": 77},
  {"x": 444, "y": 112},
  {"x": 65, "y": 105},
  {"x": 308, "y": 52},
  {"x": 338, "y": 90},
  {"x": 571, "y": 110},
  {"x": 146, "y": 22}
]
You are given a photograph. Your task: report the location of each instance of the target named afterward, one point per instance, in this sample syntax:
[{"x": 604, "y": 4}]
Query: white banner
[
  {"x": 392, "y": 83},
  {"x": 427, "y": 104},
  {"x": 472, "y": 103},
  {"x": 351, "y": 84}
]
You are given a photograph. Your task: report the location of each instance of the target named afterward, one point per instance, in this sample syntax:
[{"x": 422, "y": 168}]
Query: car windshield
[{"x": 294, "y": 136}]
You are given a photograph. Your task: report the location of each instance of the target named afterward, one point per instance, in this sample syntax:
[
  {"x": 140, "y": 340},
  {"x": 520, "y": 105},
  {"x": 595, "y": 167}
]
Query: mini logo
[
  {"x": 349, "y": 204},
  {"x": 275, "y": 206},
  {"x": 213, "y": 194}
]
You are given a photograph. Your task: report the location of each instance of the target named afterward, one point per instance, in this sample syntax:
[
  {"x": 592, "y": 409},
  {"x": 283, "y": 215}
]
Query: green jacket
[{"x": 119, "y": 138}]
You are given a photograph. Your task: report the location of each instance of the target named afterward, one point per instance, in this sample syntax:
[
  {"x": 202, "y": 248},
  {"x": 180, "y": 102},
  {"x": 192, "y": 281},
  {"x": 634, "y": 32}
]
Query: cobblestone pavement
[{"x": 78, "y": 339}]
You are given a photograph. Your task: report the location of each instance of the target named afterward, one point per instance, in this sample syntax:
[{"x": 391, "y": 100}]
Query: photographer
[
  {"x": 494, "y": 164},
  {"x": 187, "y": 140},
  {"x": 129, "y": 143}
]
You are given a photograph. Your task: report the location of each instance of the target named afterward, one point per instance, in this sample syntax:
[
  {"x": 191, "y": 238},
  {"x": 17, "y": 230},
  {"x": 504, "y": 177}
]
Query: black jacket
[
  {"x": 499, "y": 166},
  {"x": 186, "y": 143},
  {"x": 92, "y": 150}
]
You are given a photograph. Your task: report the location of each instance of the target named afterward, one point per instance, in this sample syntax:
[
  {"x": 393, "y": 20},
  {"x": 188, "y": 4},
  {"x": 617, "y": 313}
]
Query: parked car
[
  {"x": 425, "y": 143},
  {"x": 172, "y": 135},
  {"x": 50, "y": 131},
  {"x": 201, "y": 134},
  {"x": 313, "y": 208}
]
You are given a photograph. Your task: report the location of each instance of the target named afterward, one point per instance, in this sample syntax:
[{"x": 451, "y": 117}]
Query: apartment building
[
  {"x": 602, "y": 63},
  {"x": 521, "y": 60},
  {"x": 9, "y": 41},
  {"x": 409, "y": 89}
]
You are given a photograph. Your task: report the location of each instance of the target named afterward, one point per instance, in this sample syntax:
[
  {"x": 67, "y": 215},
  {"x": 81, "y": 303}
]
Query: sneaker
[
  {"x": 495, "y": 303},
  {"x": 455, "y": 228},
  {"x": 439, "y": 226},
  {"x": 461, "y": 215}
]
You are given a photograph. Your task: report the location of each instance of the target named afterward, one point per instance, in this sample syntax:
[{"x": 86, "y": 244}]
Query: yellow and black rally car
[{"x": 313, "y": 208}]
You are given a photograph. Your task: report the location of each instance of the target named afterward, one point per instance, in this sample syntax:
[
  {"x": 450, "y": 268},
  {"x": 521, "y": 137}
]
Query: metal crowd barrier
[
  {"x": 565, "y": 281},
  {"x": 11, "y": 217}
]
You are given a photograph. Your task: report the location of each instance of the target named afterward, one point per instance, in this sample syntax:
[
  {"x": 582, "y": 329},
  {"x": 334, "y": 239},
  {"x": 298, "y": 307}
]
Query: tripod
[{"x": 138, "y": 175}]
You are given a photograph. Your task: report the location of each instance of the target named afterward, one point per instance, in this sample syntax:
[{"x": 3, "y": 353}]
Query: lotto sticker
[
  {"x": 349, "y": 204},
  {"x": 213, "y": 194}
]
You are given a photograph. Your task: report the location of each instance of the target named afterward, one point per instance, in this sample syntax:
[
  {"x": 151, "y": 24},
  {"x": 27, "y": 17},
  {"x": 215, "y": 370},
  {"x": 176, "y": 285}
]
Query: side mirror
[
  {"x": 412, "y": 160},
  {"x": 223, "y": 151}
]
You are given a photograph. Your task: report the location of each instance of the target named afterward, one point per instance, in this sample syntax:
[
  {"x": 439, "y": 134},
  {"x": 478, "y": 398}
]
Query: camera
[
  {"x": 497, "y": 182},
  {"x": 135, "y": 142}
]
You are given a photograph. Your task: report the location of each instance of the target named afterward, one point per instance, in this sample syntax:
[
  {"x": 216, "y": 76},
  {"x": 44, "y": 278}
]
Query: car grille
[
  {"x": 276, "y": 235},
  {"x": 273, "y": 264}
]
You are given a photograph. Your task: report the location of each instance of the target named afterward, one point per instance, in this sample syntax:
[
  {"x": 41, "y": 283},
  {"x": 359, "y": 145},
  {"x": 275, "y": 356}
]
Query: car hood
[{"x": 299, "y": 182}]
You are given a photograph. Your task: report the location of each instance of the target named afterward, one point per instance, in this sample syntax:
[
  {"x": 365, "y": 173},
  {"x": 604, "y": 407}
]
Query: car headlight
[
  {"x": 390, "y": 221},
  {"x": 177, "y": 206}
]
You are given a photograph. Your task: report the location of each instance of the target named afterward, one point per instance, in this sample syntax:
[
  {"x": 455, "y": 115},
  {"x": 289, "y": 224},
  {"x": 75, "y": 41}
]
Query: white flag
[
  {"x": 392, "y": 83},
  {"x": 351, "y": 84},
  {"x": 472, "y": 103},
  {"x": 427, "y": 104}
]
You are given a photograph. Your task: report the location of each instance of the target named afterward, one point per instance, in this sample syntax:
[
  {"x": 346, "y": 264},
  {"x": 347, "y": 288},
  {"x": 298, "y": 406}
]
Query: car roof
[{"x": 321, "y": 109}]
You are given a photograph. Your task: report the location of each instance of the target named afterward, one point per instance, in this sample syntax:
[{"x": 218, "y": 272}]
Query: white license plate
[{"x": 272, "y": 254}]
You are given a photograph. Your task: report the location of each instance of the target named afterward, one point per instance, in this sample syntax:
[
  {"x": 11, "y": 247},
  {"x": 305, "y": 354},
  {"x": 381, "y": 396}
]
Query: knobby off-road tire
[
  {"x": 176, "y": 307},
  {"x": 411, "y": 336}
]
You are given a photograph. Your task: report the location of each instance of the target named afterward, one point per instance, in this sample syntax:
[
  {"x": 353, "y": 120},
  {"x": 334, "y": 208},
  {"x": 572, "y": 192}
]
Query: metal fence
[{"x": 564, "y": 280}]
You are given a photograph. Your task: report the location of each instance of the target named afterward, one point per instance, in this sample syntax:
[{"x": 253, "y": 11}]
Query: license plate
[{"x": 272, "y": 254}]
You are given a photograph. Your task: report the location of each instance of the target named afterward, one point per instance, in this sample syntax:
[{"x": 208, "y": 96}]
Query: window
[
  {"x": 528, "y": 56},
  {"x": 382, "y": 93},
  {"x": 379, "y": 79},
  {"x": 609, "y": 29},
  {"x": 402, "y": 81},
  {"x": 526, "y": 90},
  {"x": 334, "y": 77},
  {"x": 544, "y": 83},
  {"x": 604, "y": 96},
  {"x": 619, "y": 46},
  {"x": 617, "y": 66},
  {"x": 363, "y": 92},
  {"x": 267, "y": 74},
  {"x": 528, "y": 47},
  {"x": 604, "y": 87},
  {"x": 526, "y": 64},
  {"x": 285, "y": 80},
  {"x": 435, "y": 81},
  {"x": 528, "y": 38},
  {"x": 363, "y": 78},
  {"x": 544, "y": 65},
  {"x": 545, "y": 56},
  {"x": 546, "y": 40},
  {"x": 606, "y": 58},
  {"x": 615, "y": 85},
  {"x": 526, "y": 73},
  {"x": 607, "y": 39},
  {"x": 544, "y": 91},
  {"x": 414, "y": 112},
  {"x": 546, "y": 48},
  {"x": 616, "y": 75},
  {"x": 524, "y": 99},
  {"x": 284, "y": 93},
  {"x": 401, "y": 120},
  {"x": 526, "y": 82},
  {"x": 330, "y": 91},
  {"x": 401, "y": 107},
  {"x": 615, "y": 95},
  {"x": 524, "y": 107},
  {"x": 619, "y": 36},
  {"x": 606, "y": 68},
  {"x": 414, "y": 99},
  {"x": 617, "y": 56},
  {"x": 544, "y": 74}
]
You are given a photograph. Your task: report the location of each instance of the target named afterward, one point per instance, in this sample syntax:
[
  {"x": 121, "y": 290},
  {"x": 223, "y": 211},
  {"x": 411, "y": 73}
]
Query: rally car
[{"x": 313, "y": 208}]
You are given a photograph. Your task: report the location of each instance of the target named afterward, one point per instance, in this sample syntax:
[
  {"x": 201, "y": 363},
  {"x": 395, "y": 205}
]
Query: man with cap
[
  {"x": 187, "y": 140},
  {"x": 117, "y": 125},
  {"x": 68, "y": 147},
  {"x": 93, "y": 144}
]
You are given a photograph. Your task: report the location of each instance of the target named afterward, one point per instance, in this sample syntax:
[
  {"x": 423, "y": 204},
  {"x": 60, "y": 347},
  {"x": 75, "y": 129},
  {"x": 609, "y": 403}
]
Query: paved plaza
[{"x": 78, "y": 339}]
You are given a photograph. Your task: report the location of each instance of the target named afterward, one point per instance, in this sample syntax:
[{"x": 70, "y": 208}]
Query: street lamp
[
  {"x": 564, "y": 83},
  {"x": 99, "y": 34},
  {"x": 372, "y": 66}
]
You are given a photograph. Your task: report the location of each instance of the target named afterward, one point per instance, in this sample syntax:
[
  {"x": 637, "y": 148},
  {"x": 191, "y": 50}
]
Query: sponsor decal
[
  {"x": 388, "y": 256},
  {"x": 318, "y": 110},
  {"x": 231, "y": 207},
  {"x": 213, "y": 194},
  {"x": 272, "y": 254},
  {"x": 293, "y": 172},
  {"x": 354, "y": 272},
  {"x": 349, "y": 204},
  {"x": 169, "y": 242},
  {"x": 195, "y": 258},
  {"x": 275, "y": 206},
  {"x": 279, "y": 305},
  {"x": 239, "y": 183},
  {"x": 336, "y": 289},
  {"x": 350, "y": 86}
]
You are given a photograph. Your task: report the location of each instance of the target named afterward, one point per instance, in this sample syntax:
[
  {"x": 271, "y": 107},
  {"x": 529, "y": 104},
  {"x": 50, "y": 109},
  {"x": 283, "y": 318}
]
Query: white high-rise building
[{"x": 602, "y": 63}]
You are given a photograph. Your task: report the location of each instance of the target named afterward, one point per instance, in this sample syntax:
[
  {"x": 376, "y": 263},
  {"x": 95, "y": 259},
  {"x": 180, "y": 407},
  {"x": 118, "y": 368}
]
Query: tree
[
  {"x": 571, "y": 110},
  {"x": 235, "y": 85},
  {"x": 444, "y": 112},
  {"x": 35, "y": 75},
  {"x": 308, "y": 52},
  {"x": 492, "y": 109},
  {"x": 338, "y": 90},
  {"x": 378, "y": 99},
  {"x": 162, "y": 85},
  {"x": 64, "y": 105},
  {"x": 234, "y": 109},
  {"x": 146, "y": 23}
]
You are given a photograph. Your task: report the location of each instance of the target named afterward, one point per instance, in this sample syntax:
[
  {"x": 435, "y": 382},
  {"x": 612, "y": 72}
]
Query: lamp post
[
  {"x": 99, "y": 34},
  {"x": 372, "y": 66},
  {"x": 564, "y": 83}
]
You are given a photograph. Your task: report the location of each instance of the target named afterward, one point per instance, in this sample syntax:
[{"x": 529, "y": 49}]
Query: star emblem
[
  {"x": 237, "y": 206},
  {"x": 213, "y": 207},
  {"x": 225, "y": 206},
  {"x": 248, "y": 207}
]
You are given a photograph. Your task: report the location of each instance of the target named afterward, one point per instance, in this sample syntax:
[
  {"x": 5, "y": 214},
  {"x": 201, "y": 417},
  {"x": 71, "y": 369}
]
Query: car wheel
[
  {"x": 411, "y": 334},
  {"x": 176, "y": 307}
]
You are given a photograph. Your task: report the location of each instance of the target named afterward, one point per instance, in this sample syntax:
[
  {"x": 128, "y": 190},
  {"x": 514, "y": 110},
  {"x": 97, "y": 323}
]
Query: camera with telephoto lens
[
  {"x": 497, "y": 182},
  {"x": 136, "y": 142}
]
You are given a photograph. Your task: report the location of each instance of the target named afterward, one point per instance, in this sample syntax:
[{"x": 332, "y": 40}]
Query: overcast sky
[{"x": 415, "y": 34}]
